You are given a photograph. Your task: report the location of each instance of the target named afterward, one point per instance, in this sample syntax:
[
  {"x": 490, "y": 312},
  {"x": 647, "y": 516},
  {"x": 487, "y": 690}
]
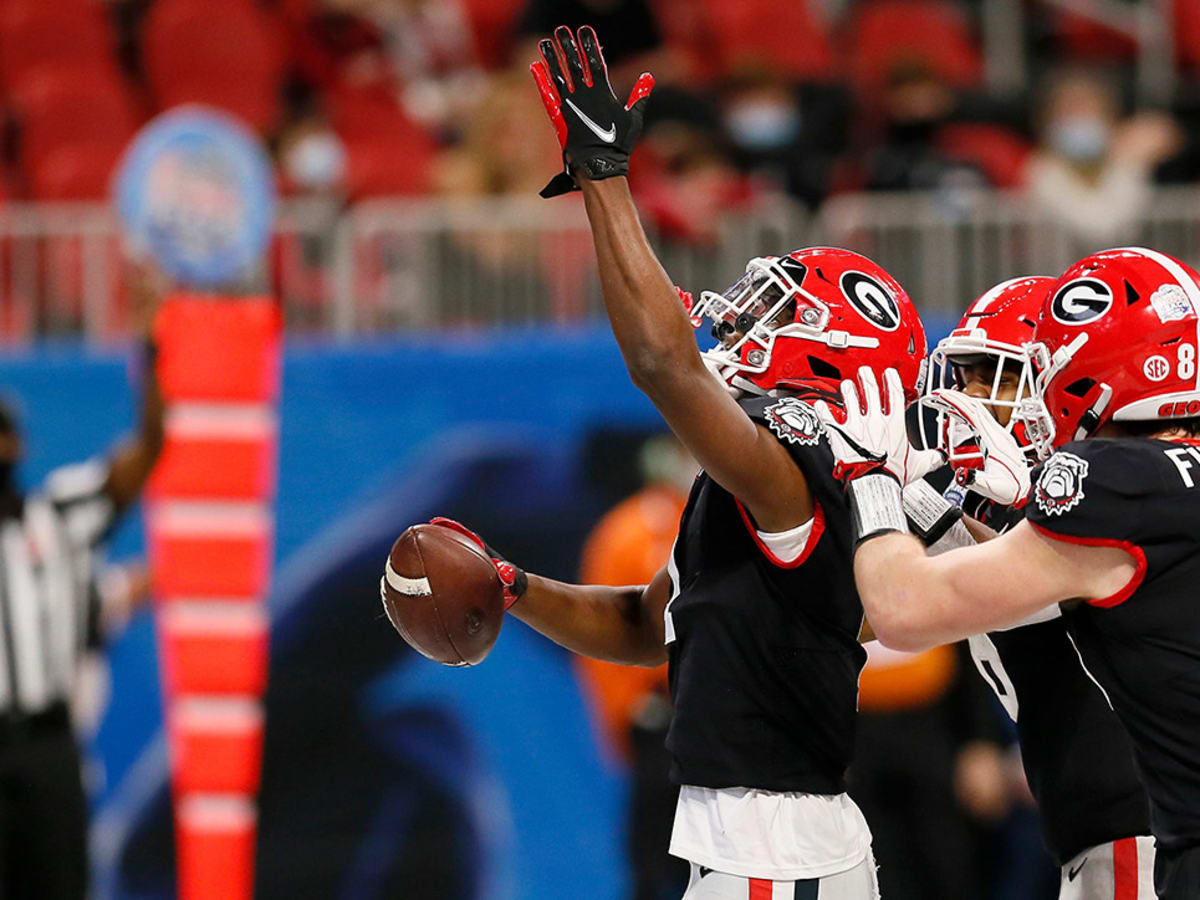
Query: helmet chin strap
[{"x": 1090, "y": 420}]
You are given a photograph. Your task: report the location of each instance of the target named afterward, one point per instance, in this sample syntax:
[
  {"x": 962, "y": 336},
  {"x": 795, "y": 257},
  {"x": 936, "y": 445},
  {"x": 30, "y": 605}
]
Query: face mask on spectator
[
  {"x": 763, "y": 125},
  {"x": 316, "y": 161},
  {"x": 1079, "y": 138}
]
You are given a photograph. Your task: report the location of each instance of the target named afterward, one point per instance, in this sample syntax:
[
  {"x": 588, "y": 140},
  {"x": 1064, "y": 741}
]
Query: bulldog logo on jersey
[
  {"x": 1060, "y": 486},
  {"x": 794, "y": 421}
]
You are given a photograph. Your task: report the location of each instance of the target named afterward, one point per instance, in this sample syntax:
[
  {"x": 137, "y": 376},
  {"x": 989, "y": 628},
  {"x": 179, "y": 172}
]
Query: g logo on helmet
[
  {"x": 1081, "y": 301},
  {"x": 794, "y": 421},
  {"x": 1060, "y": 486},
  {"x": 871, "y": 300}
]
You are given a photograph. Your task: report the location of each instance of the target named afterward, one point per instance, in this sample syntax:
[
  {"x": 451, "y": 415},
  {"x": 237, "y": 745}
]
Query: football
[{"x": 443, "y": 595}]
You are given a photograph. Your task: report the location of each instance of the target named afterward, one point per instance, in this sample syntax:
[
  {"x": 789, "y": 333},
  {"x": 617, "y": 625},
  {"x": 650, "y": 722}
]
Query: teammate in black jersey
[
  {"x": 756, "y": 609},
  {"x": 1112, "y": 529},
  {"x": 1078, "y": 758}
]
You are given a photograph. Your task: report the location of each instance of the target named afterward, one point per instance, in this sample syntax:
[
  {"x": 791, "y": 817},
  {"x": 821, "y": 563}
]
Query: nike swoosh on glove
[
  {"x": 595, "y": 130},
  {"x": 871, "y": 438},
  {"x": 1003, "y": 474}
]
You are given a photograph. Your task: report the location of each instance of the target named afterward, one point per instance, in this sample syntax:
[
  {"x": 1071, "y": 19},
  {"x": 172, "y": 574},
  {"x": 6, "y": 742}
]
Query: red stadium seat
[
  {"x": 36, "y": 35},
  {"x": 784, "y": 36},
  {"x": 998, "y": 152},
  {"x": 884, "y": 33},
  {"x": 229, "y": 58},
  {"x": 1085, "y": 38},
  {"x": 492, "y": 24},
  {"x": 1187, "y": 32},
  {"x": 386, "y": 152},
  {"x": 74, "y": 124}
]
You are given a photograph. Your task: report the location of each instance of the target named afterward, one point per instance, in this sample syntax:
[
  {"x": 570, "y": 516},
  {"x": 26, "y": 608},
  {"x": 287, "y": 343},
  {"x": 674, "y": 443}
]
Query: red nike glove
[
  {"x": 595, "y": 130},
  {"x": 513, "y": 578}
]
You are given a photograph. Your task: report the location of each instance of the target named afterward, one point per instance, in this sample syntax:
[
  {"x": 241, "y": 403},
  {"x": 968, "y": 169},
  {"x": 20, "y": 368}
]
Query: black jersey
[
  {"x": 1078, "y": 758},
  {"x": 1141, "y": 645},
  {"x": 764, "y": 656}
]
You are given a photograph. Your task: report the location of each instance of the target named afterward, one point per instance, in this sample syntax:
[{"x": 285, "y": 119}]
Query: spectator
[
  {"x": 684, "y": 177},
  {"x": 1092, "y": 170},
  {"x": 502, "y": 151},
  {"x": 786, "y": 134},
  {"x": 917, "y": 105}
]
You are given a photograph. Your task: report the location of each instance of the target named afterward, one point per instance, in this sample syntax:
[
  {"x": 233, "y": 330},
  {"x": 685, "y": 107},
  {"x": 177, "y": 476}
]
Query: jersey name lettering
[{"x": 1179, "y": 456}]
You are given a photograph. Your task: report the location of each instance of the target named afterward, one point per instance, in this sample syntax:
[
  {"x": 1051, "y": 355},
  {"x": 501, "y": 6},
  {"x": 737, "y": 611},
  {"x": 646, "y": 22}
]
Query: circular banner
[{"x": 196, "y": 190}]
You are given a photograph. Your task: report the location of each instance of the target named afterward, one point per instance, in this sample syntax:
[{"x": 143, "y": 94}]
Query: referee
[{"x": 48, "y": 616}]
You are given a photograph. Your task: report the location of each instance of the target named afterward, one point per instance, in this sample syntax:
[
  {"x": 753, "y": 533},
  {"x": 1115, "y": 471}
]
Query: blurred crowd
[{"x": 806, "y": 98}]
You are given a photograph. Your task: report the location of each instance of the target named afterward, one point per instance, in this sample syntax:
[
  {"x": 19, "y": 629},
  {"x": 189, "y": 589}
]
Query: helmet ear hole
[
  {"x": 1080, "y": 387},
  {"x": 824, "y": 369}
]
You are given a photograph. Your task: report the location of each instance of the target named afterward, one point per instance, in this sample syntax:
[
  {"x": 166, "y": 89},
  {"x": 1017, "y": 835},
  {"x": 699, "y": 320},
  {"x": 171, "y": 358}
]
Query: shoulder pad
[
  {"x": 1084, "y": 487},
  {"x": 790, "y": 419}
]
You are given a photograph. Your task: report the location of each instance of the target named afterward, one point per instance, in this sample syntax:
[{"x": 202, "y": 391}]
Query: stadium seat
[
  {"x": 997, "y": 151},
  {"x": 229, "y": 58},
  {"x": 885, "y": 33},
  {"x": 1187, "y": 32},
  {"x": 40, "y": 35},
  {"x": 1085, "y": 38},
  {"x": 74, "y": 124},
  {"x": 784, "y": 36},
  {"x": 386, "y": 152},
  {"x": 492, "y": 25}
]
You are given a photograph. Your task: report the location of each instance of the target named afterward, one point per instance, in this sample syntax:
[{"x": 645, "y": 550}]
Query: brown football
[{"x": 443, "y": 595}]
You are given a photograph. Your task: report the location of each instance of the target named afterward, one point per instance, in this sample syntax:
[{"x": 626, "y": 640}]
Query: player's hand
[
  {"x": 512, "y": 577},
  {"x": 595, "y": 130},
  {"x": 872, "y": 438},
  {"x": 1003, "y": 472}
]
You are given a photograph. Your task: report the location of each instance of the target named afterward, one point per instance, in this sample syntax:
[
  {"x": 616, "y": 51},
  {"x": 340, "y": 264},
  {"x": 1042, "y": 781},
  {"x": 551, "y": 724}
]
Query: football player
[
  {"x": 1078, "y": 758},
  {"x": 1112, "y": 527},
  {"x": 755, "y": 611}
]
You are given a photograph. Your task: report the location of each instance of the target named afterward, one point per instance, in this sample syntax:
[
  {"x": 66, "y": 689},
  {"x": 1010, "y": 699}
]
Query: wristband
[
  {"x": 876, "y": 506},
  {"x": 929, "y": 514}
]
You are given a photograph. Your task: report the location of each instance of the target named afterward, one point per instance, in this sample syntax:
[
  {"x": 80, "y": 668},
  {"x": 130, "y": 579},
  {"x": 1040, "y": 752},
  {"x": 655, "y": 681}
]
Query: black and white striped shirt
[{"x": 46, "y": 585}]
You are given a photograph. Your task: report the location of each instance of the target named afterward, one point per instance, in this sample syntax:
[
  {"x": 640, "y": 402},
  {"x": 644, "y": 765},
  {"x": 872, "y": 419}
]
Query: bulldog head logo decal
[
  {"x": 794, "y": 421},
  {"x": 1060, "y": 486}
]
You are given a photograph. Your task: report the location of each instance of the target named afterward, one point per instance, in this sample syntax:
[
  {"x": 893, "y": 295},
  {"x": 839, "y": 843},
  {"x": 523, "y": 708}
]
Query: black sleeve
[
  {"x": 1098, "y": 493},
  {"x": 1088, "y": 492}
]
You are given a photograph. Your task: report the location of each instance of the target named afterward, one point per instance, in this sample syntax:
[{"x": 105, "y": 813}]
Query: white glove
[
  {"x": 872, "y": 439},
  {"x": 1004, "y": 475}
]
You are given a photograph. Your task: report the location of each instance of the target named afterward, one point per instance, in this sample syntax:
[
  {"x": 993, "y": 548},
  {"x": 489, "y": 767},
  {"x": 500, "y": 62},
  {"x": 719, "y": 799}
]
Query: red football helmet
[
  {"x": 805, "y": 321},
  {"x": 997, "y": 326},
  {"x": 1116, "y": 341}
]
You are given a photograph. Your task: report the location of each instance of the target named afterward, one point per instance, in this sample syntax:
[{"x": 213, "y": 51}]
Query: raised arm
[
  {"x": 649, "y": 323},
  {"x": 134, "y": 459}
]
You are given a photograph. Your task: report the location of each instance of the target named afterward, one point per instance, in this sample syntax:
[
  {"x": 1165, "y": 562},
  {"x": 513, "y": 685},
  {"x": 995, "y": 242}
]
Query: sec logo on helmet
[
  {"x": 1081, "y": 301},
  {"x": 1060, "y": 486}
]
